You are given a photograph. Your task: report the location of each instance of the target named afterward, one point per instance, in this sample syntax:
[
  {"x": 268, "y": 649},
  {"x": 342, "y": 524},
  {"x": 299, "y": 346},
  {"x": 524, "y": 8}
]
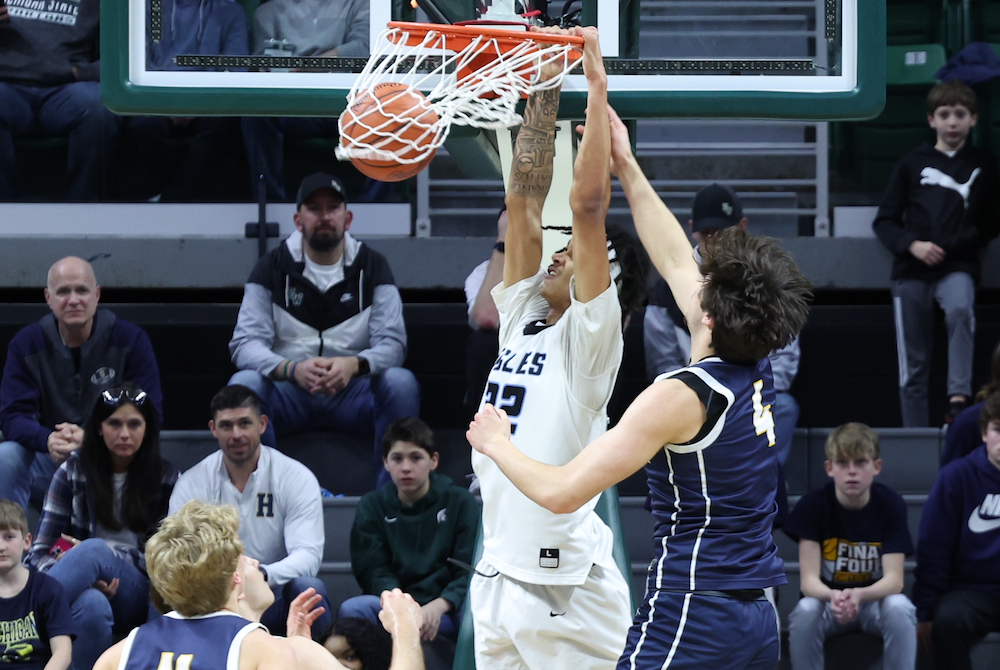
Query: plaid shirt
[{"x": 68, "y": 509}]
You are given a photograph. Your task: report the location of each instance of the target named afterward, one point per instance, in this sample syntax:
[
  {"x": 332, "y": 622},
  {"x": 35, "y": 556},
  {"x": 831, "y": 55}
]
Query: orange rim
[{"x": 465, "y": 35}]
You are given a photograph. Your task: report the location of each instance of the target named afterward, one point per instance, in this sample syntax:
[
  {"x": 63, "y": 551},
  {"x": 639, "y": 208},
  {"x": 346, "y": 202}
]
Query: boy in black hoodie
[
  {"x": 405, "y": 532},
  {"x": 936, "y": 216}
]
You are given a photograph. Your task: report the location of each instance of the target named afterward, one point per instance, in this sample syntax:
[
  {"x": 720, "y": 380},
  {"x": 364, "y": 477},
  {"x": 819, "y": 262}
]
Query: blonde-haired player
[{"x": 196, "y": 564}]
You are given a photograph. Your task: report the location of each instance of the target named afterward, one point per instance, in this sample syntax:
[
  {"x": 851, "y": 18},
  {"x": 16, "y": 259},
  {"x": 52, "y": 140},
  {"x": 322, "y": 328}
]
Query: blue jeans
[
  {"x": 73, "y": 111},
  {"x": 368, "y": 404},
  {"x": 276, "y": 615},
  {"x": 96, "y": 618},
  {"x": 368, "y": 606},
  {"x": 24, "y": 474}
]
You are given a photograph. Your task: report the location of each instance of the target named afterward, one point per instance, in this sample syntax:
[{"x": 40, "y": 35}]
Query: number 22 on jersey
[
  {"x": 763, "y": 421},
  {"x": 511, "y": 397}
]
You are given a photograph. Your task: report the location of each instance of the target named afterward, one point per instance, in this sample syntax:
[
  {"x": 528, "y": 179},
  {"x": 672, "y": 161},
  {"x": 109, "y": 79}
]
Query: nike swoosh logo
[
  {"x": 557, "y": 613},
  {"x": 388, "y": 520},
  {"x": 978, "y": 524}
]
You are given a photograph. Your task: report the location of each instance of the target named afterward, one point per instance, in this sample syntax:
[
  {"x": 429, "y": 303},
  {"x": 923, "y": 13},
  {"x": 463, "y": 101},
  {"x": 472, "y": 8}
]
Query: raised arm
[
  {"x": 530, "y": 179},
  {"x": 590, "y": 195},
  {"x": 661, "y": 234},
  {"x": 643, "y": 430}
]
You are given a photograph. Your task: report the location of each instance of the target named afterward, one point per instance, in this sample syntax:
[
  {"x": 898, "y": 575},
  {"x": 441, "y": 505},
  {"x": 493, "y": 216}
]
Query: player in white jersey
[{"x": 547, "y": 592}]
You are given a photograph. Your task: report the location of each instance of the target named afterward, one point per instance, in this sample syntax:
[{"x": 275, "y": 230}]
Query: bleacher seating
[{"x": 911, "y": 463}]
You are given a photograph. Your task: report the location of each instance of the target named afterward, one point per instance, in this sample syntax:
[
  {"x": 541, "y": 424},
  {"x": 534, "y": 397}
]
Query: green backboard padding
[
  {"x": 607, "y": 509},
  {"x": 122, "y": 96},
  {"x": 913, "y": 64}
]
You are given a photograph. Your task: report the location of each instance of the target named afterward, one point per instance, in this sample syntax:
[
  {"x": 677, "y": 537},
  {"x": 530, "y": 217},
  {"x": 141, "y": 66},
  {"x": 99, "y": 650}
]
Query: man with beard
[
  {"x": 277, "y": 498},
  {"x": 320, "y": 333}
]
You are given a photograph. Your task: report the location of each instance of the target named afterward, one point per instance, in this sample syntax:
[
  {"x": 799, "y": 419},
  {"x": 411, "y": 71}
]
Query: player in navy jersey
[
  {"x": 705, "y": 434},
  {"x": 197, "y": 566}
]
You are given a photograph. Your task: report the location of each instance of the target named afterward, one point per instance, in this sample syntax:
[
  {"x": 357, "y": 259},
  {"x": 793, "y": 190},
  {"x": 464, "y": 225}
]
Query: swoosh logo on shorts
[
  {"x": 388, "y": 520},
  {"x": 977, "y": 524}
]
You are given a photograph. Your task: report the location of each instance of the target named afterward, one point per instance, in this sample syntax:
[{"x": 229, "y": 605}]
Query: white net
[{"x": 471, "y": 80}]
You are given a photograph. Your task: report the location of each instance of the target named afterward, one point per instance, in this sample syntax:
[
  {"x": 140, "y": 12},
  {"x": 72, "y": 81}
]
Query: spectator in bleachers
[
  {"x": 56, "y": 370},
  {"x": 320, "y": 334},
  {"x": 278, "y": 500},
  {"x": 104, "y": 503},
  {"x": 481, "y": 349},
  {"x": 188, "y": 172},
  {"x": 37, "y": 629},
  {"x": 405, "y": 533},
  {"x": 853, "y": 540},
  {"x": 963, "y": 434},
  {"x": 666, "y": 341},
  {"x": 318, "y": 28},
  {"x": 938, "y": 212},
  {"x": 359, "y": 644},
  {"x": 49, "y": 74},
  {"x": 957, "y": 587}
]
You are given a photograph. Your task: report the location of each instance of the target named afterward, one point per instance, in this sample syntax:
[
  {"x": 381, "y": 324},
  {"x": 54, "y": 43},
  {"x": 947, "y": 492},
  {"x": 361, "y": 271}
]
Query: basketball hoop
[{"x": 475, "y": 76}]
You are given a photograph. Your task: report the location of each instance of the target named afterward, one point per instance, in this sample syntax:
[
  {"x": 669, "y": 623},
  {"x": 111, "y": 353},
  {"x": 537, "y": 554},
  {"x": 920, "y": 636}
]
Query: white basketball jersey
[{"x": 554, "y": 382}]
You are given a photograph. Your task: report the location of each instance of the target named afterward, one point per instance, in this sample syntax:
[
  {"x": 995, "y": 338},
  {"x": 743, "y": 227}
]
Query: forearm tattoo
[{"x": 534, "y": 151}]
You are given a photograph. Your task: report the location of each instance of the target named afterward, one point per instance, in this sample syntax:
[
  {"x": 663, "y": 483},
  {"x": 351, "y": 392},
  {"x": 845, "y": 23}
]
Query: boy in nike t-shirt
[
  {"x": 957, "y": 588},
  {"x": 853, "y": 539},
  {"x": 936, "y": 216}
]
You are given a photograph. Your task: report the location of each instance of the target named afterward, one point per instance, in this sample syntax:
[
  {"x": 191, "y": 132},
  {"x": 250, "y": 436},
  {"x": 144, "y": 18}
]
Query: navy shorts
[{"x": 680, "y": 631}]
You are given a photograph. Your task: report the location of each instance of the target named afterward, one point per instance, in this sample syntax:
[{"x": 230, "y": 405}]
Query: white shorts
[{"x": 522, "y": 626}]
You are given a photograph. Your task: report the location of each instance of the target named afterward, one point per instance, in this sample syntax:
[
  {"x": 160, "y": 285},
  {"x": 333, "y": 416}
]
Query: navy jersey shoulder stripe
[{"x": 713, "y": 498}]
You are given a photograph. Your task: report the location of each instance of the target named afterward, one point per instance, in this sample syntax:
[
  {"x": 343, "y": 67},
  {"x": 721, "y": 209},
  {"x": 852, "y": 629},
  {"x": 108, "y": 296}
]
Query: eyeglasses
[{"x": 116, "y": 396}]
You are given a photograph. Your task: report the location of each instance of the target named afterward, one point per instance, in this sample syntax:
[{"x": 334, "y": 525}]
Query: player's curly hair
[
  {"x": 634, "y": 265},
  {"x": 192, "y": 557},
  {"x": 370, "y": 642},
  {"x": 755, "y": 293}
]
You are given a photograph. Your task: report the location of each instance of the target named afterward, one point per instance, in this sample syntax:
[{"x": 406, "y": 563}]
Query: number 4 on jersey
[
  {"x": 763, "y": 422},
  {"x": 167, "y": 661}
]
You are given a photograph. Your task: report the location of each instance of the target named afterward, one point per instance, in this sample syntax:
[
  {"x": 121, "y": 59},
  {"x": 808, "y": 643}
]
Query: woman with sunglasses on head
[{"x": 101, "y": 507}]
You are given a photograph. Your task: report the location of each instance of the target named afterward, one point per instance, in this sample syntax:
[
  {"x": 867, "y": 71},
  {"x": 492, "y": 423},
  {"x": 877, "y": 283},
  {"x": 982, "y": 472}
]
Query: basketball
[{"x": 393, "y": 117}]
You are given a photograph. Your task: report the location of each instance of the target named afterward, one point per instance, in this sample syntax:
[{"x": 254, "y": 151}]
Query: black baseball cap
[
  {"x": 715, "y": 206},
  {"x": 316, "y": 182}
]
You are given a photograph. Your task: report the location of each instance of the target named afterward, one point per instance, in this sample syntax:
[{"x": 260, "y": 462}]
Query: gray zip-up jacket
[
  {"x": 284, "y": 315},
  {"x": 314, "y": 26}
]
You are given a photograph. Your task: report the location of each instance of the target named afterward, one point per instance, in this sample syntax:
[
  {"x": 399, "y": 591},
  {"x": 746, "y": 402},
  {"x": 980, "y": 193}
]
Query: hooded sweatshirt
[
  {"x": 394, "y": 545},
  {"x": 959, "y": 533},
  {"x": 199, "y": 27},
  {"x": 948, "y": 200}
]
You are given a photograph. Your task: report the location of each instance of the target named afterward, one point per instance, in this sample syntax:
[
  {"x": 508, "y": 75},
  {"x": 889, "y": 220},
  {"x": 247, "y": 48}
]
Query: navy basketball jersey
[
  {"x": 173, "y": 642},
  {"x": 713, "y": 497}
]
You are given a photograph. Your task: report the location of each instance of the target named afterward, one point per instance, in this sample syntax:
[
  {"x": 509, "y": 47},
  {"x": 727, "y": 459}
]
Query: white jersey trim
[
  {"x": 708, "y": 516},
  {"x": 233, "y": 660},
  {"x": 716, "y": 386},
  {"x": 127, "y": 648}
]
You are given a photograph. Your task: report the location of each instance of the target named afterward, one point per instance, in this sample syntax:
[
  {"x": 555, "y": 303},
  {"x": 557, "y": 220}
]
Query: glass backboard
[{"x": 768, "y": 59}]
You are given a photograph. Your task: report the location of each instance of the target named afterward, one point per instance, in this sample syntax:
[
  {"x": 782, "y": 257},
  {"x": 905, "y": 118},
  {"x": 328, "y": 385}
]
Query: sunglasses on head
[{"x": 114, "y": 397}]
